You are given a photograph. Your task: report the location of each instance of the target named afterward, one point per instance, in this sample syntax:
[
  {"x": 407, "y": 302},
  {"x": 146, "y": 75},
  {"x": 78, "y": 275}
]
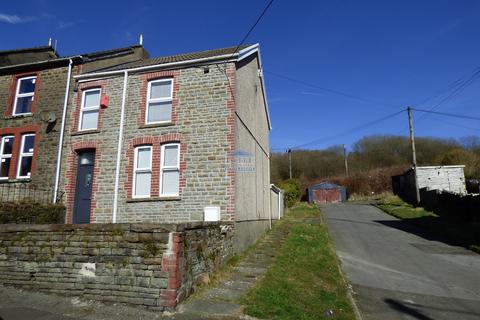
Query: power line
[
  {"x": 458, "y": 125},
  {"x": 240, "y": 44},
  {"x": 350, "y": 131},
  {"x": 340, "y": 93},
  {"x": 448, "y": 114},
  {"x": 253, "y": 26},
  {"x": 460, "y": 86},
  {"x": 450, "y": 86}
]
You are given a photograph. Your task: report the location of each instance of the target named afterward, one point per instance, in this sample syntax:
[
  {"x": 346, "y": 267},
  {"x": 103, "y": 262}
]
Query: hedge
[
  {"x": 31, "y": 213},
  {"x": 292, "y": 191}
]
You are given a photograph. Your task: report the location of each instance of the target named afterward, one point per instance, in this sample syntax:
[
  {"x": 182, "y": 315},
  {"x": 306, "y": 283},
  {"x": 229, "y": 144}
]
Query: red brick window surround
[
  {"x": 71, "y": 177},
  {"x": 155, "y": 144},
  {"x": 83, "y": 89},
  {"x": 161, "y": 100},
  {"x": 16, "y": 149},
  {"x": 23, "y": 95}
]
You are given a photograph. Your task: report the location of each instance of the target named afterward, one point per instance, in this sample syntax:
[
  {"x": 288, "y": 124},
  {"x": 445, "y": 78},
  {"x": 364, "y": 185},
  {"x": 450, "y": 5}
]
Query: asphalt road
[{"x": 399, "y": 272}]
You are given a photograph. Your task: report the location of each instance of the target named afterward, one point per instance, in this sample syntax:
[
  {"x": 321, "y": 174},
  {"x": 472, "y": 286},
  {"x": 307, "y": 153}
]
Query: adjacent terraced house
[
  {"x": 33, "y": 85},
  {"x": 171, "y": 139}
]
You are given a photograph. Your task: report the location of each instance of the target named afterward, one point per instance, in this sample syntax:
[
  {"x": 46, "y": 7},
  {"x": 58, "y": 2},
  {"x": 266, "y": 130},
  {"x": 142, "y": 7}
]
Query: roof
[
  {"x": 442, "y": 167},
  {"x": 27, "y": 55},
  {"x": 106, "y": 53},
  {"x": 175, "y": 58},
  {"x": 32, "y": 49},
  {"x": 325, "y": 185},
  {"x": 7, "y": 63}
]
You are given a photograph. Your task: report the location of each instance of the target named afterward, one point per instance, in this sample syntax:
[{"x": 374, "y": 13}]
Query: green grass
[
  {"x": 396, "y": 207},
  {"x": 304, "y": 280},
  {"x": 448, "y": 228}
]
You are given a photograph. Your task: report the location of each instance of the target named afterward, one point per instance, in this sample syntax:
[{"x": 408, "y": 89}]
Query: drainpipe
[
  {"x": 62, "y": 129},
  {"x": 119, "y": 148}
]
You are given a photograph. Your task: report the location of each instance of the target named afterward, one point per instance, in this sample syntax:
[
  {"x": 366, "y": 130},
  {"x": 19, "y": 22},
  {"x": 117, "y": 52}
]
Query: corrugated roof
[
  {"x": 174, "y": 58},
  {"x": 325, "y": 185}
]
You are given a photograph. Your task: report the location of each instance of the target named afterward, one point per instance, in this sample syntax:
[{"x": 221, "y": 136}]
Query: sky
[{"x": 352, "y": 62}]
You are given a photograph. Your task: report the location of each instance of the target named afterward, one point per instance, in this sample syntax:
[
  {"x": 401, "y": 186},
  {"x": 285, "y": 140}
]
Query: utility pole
[
  {"x": 290, "y": 162},
  {"x": 414, "y": 154},
  {"x": 346, "y": 160}
]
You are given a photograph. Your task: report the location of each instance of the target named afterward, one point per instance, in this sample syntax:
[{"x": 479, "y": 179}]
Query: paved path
[
  {"x": 215, "y": 302},
  {"x": 399, "y": 272}
]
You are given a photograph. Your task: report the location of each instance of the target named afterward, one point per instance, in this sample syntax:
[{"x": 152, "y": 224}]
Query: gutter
[
  {"x": 62, "y": 129},
  {"x": 119, "y": 148}
]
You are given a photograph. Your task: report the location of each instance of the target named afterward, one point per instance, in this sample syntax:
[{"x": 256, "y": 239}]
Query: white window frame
[
  {"x": 86, "y": 109},
  {"x": 8, "y": 156},
  {"x": 22, "y": 154},
  {"x": 141, "y": 170},
  {"x": 169, "y": 168},
  {"x": 23, "y": 95},
  {"x": 149, "y": 100}
]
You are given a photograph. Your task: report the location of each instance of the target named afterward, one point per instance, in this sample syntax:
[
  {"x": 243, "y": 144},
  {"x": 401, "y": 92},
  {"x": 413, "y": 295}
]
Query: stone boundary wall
[{"x": 155, "y": 265}]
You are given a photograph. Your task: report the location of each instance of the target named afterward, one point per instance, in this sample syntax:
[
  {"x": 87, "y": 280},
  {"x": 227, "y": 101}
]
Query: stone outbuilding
[{"x": 441, "y": 178}]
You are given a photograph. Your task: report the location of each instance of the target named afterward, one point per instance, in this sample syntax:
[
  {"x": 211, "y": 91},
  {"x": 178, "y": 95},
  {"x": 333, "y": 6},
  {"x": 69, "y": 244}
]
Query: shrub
[
  {"x": 292, "y": 191},
  {"x": 31, "y": 212}
]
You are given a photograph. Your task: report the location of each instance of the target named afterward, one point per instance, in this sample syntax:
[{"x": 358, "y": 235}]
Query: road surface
[{"x": 399, "y": 272}]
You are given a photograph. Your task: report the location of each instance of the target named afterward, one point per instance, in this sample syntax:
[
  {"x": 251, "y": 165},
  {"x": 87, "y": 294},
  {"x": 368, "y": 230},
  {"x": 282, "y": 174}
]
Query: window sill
[
  {"x": 15, "y": 180},
  {"x": 19, "y": 116},
  {"x": 153, "y": 199},
  {"x": 79, "y": 133},
  {"x": 156, "y": 125}
]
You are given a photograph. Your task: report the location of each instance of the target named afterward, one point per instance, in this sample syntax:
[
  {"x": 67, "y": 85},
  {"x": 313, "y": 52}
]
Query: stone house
[
  {"x": 171, "y": 139},
  {"x": 33, "y": 85}
]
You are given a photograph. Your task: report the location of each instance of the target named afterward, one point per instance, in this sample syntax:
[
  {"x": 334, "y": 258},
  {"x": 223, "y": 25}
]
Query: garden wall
[
  {"x": 155, "y": 265},
  {"x": 465, "y": 207}
]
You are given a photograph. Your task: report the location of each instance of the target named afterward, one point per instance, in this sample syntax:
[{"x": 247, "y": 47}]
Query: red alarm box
[{"x": 104, "y": 101}]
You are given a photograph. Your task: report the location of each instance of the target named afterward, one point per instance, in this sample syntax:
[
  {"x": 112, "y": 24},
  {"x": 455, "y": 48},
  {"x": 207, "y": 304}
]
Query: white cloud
[
  {"x": 308, "y": 93},
  {"x": 9, "y": 18},
  {"x": 65, "y": 24}
]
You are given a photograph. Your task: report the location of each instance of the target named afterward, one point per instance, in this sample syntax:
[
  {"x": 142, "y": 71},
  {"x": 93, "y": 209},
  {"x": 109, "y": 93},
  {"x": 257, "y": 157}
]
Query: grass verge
[
  {"x": 449, "y": 229},
  {"x": 304, "y": 281}
]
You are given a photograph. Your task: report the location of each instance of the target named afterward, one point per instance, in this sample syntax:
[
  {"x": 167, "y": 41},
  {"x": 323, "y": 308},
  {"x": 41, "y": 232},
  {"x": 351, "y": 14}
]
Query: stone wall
[{"x": 144, "y": 264}]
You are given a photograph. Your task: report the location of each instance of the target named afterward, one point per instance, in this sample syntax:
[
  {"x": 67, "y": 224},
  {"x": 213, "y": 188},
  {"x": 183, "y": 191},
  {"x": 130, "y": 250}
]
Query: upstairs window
[
  {"x": 143, "y": 172},
  {"x": 6, "y": 149},
  {"x": 24, "y": 96},
  {"x": 170, "y": 170},
  {"x": 159, "y": 101},
  {"x": 26, "y": 155},
  {"x": 90, "y": 108}
]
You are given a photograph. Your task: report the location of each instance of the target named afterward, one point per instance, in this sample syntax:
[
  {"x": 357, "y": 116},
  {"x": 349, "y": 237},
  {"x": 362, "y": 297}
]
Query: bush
[
  {"x": 31, "y": 212},
  {"x": 292, "y": 191}
]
